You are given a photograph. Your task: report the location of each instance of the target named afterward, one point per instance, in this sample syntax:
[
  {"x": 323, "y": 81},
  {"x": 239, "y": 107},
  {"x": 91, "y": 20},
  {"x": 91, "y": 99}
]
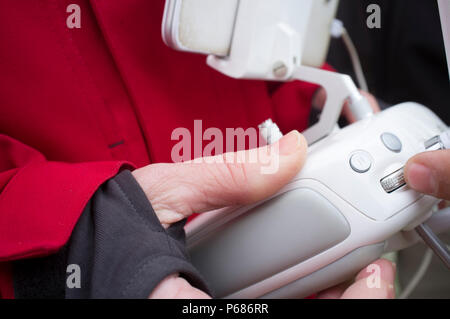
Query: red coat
[{"x": 77, "y": 104}]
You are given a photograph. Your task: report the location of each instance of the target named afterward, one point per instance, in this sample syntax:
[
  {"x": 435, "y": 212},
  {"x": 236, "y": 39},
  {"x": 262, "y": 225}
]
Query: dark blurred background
[{"x": 404, "y": 60}]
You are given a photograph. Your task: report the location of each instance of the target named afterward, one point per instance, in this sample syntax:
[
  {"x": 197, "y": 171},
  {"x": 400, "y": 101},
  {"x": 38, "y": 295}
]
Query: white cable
[
  {"x": 418, "y": 276},
  {"x": 338, "y": 30},
  {"x": 355, "y": 61}
]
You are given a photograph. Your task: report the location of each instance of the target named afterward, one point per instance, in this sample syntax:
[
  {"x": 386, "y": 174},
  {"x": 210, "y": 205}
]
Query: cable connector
[
  {"x": 337, "y": 28},
  {"x": 270, "y": 131}
]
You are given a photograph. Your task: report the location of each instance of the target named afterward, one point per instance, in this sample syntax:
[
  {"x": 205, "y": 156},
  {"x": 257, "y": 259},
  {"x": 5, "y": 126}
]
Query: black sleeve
[{"x": 119, "y": 247}]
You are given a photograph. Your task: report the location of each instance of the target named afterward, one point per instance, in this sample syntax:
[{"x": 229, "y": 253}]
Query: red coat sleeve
[{"x": 41, "y": 201}]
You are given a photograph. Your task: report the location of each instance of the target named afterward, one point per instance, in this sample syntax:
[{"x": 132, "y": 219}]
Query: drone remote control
[{"x": 333, "y": 219}]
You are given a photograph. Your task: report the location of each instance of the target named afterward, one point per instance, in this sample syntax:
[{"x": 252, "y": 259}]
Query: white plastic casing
[
  {"x": 374, "y": 216},
  {"x": 257, "y": 39},
  {"x": 271, "y": 38},
  {"x": 200, "y": 26}
]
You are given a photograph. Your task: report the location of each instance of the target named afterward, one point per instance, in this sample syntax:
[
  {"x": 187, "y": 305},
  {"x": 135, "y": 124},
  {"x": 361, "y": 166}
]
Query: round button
[
  {"x": 361, "y": 162},
  {"x": 392, "y": 142}
]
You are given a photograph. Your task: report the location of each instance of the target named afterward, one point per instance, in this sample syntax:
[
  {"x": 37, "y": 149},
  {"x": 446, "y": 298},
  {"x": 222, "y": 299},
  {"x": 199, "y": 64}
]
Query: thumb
[
  {"x": 178, "y": 190},
  {"x": 429, "y": 173}
]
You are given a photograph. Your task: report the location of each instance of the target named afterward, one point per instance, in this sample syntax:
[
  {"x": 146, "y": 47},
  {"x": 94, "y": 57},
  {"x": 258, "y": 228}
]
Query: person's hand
[
  {"x": 365, "y": 286},
  {"x": 176, "y": 191},
  {"x": 429, "y": 173},
  {"x": 320, "y": 96}
]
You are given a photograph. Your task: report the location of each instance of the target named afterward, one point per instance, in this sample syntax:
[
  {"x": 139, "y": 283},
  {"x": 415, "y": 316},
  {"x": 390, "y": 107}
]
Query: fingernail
[
  {"x": 290, "y": 143},
  {"x": 421, "y": 179}
]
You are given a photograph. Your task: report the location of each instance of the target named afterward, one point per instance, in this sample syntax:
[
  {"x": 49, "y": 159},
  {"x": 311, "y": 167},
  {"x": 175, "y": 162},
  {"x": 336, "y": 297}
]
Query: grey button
[
  {"x": 393, "y": 181},
  {"x": 392, "y": 142},
  {"x": 361, "y": 162}
]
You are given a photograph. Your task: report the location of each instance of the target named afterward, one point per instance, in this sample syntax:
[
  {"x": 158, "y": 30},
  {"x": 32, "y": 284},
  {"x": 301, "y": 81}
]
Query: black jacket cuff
[{"x": 119, "y": 246}]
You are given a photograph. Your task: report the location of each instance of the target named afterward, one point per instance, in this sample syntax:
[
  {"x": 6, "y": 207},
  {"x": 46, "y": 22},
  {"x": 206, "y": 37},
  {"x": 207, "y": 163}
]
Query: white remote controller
[{"x": 334, "y": 218}]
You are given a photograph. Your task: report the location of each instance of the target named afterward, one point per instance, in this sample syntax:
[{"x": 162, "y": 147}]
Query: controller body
[{"x": 333, "y": 219}]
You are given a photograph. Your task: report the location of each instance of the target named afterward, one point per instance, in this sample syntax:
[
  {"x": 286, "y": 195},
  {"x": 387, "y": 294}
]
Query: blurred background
[{"x": 404, "y": 60}]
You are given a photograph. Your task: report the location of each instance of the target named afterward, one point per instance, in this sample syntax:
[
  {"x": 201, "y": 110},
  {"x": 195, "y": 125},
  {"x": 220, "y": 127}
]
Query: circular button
[
  {"x": 361, "y": 162},
  {"x": 392, "y": 142}
]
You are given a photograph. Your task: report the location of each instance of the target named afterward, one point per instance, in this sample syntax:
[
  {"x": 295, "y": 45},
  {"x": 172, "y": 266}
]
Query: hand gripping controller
[{"x": 347, "y": 207}]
